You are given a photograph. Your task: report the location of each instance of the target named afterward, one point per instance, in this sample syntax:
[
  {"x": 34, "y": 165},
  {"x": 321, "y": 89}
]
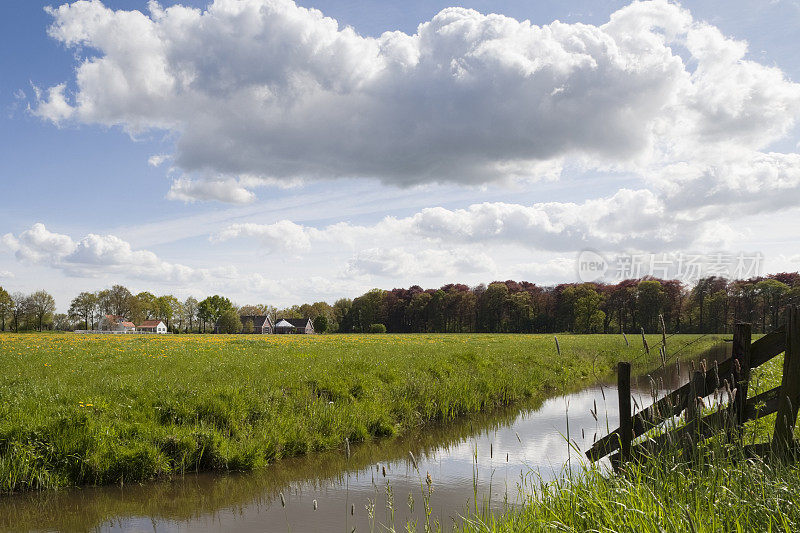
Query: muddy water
[{"x": 483, "y": 459}]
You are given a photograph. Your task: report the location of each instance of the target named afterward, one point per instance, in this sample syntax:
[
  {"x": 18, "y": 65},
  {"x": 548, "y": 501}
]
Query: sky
[{"x": 282, "y": 152}]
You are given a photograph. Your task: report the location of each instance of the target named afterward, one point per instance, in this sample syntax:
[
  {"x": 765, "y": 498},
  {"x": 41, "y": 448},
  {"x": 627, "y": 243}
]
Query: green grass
[
  {"x": 723, "y": 491},
  {"x": 108, "y": 409}
]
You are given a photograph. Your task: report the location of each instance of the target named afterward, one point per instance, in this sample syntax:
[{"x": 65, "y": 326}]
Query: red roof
[
  {"x": 128, "y": 324},
  {"x": 149, "y": 324}
]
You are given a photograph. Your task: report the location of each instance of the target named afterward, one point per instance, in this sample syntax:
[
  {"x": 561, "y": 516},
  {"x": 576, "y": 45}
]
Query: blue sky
[{"x": 277, "y": 212}]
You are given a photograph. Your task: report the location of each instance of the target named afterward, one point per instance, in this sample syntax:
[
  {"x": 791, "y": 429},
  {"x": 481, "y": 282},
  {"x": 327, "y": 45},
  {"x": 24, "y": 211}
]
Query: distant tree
[
  {"x": 190, "y": 311},
  {"x": 42, "y": 307},
  {"x": 62, "y": 322},
  {"x": 104, "y": 302},
  {"x": 650, "y": 299},
  {"x": 377, "y": 328},
  {"x": 119, "y": 299},
  {"x": 19, "y": 309},
  {"x": 341, "y": 308},
  {"x": 83, "y": 307},
  {"x": 771, "y": 292},
  {"x": 320, "y": 324},
  {"x": 6, "y": 303},
  {"x": 229, "y": 322},
  {"x": 253, "y": 310},
  {"x": 213, "y": 307},
  {"x": 247, "y": 326}
]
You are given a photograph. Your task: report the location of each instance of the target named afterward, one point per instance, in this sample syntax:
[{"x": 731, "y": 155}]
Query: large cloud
[
  {"x": 99, "y": 255},
  {"x": 265, "y": 89}
]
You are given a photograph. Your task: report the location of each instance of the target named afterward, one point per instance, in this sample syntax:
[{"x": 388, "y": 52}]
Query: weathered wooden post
[
  {"x": 789, "y": 397},
  {"x": 625, "y": 425},
  {"x": 697, "y": 389},
  {"x": 741, "y": 371}
]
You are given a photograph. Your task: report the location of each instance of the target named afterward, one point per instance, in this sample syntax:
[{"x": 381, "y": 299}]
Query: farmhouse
[
  {"x": 116, "y": 323},
  {"x": 152, "y": 326},
  {"x": 261, "y": 324},
  {"x": 294, "y": 325}
]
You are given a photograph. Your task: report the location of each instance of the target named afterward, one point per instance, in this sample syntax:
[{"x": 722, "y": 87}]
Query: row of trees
[
  {"x": 28, "y": 311},
  {"x": 712, "y": 305}
]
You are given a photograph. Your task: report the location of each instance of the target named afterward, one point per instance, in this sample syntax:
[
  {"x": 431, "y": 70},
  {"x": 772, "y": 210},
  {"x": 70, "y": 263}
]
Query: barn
[{"x": 302, "y": 326}]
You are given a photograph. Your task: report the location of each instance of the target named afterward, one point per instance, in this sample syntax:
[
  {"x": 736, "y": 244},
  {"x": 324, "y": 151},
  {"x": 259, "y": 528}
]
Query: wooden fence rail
[{"x": 730, "y": 377}]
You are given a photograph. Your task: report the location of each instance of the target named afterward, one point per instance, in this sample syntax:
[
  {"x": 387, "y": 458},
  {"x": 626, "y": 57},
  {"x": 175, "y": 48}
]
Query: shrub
[
  {"x": 377, "y": 328},
  {"x": 248, "y": 327}
]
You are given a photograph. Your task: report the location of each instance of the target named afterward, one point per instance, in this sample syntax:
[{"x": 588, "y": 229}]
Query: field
[{"x": 107, "y": 409}]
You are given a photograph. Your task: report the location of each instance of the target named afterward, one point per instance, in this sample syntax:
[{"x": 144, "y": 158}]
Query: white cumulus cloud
[
  {"x": 97, "y": 255},
  {"x": 268, "y": 90}
]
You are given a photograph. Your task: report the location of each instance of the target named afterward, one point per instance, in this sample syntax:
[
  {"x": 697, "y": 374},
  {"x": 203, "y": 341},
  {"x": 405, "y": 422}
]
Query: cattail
[
  {"x": 383, "y": 471},
  {"x": 626, "y": 339},
  {"x": 663, "y": 331},
  {"x": 283, "y": 501},
  {"x": 558, "y": 348},
  {"x": 428, "y": 479},
  {"x": 506, "y": 456},
  {"x": 352, "y": 509},
  {"x": 315, "y": 505},
  {"x": 347, "y": 447},
  {"x": 519, "y": 439},
  {"x": 491, "y": 450},
  {"x": 644, "y": 342},
  {"x": 703, "y": 366},
  {"x": 716, "y": 374},
  {"x": 413, "y": 460}
]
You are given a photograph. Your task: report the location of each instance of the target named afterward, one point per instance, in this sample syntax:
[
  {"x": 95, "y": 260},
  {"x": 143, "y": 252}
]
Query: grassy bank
[
  {"x": 106, "y": 409},
  {"x": 725, "y": 492}
]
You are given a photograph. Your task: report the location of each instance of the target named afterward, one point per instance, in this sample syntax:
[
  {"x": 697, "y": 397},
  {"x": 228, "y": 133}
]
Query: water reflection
[{"x": 483, "y": 458}]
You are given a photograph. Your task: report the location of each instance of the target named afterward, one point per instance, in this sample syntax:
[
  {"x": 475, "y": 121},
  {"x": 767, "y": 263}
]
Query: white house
[{"x": 152, "y": 326}]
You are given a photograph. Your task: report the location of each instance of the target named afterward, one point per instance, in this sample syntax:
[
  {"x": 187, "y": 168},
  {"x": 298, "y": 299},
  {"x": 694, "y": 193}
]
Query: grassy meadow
[{"x": 83, "y": 409}]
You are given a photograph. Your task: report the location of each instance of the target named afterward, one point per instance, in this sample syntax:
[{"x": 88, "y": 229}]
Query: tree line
[
  {"x": 711, "y": 305},
  {"x": 714, "y": 304}
]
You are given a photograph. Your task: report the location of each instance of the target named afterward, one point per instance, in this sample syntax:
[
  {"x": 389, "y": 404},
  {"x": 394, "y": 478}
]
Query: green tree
[
  {"x": 377, "y": 328},
  {"x": 771, "y": 292},
  {"x": 320, "y": 324},
  {"x": 650, "y": 299},
  {"x": 42, "y": 306},
  {"x": 119, "y": 300},
  {"x": 61, "y": 322},
  {"x": 82, "y": 308},
  {"x": 248, "y": 326},
  {"x": 190, "y": 312},
  {"x": 212, "y": 308},
  {"x": 229, "y": 322},
  {"x": 6, "y": 304}
]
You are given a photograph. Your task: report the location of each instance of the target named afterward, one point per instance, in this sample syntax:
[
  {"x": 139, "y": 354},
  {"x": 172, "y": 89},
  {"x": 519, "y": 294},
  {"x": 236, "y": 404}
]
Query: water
[{"x": 485, "y": 459}]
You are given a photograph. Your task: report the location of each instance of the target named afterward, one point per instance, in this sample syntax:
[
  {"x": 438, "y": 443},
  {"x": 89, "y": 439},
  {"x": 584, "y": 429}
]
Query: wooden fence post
[
  {"x": 789, "y": 398},
  {"x": 625, "y": 425},
  {"x": 697, "y": 389},
  {"x": 742, "y": 336}
]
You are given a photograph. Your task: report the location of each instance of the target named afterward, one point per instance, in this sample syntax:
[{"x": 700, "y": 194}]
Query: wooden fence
[{"x": 729, "y": 378}]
